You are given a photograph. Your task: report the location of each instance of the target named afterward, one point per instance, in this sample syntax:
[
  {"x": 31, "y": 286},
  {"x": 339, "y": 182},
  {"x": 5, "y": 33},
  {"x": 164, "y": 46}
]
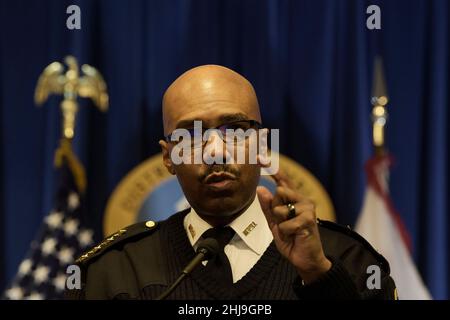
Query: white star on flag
[
  {"x": 86, "y": 237},
  {"x": 54, "y": 219},
  {"x": 71, "y": 227},
  {"x": 73, "y": 201},
  {"x": 65, "y": 255},
  {"x": 48, "y": 246},
  {"x": 60, "y": 281},
  {"x": 15, "y": 293},
  {"x": 25, "y": 267},
  {"x": 41, "y": 274}
]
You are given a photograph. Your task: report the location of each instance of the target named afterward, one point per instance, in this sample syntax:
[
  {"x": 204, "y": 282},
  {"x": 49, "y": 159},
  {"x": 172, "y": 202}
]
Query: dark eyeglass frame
[{"x": 253, "y": 124}]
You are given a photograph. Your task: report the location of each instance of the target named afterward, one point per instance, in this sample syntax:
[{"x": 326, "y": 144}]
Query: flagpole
[
  {"x": 379, "y": 113},
  {"x": 71, "y": 85},
  {"x": 379, "y": 119},
  {"x": 379, "y": 222},
  {"x": 64, "y": 234}
]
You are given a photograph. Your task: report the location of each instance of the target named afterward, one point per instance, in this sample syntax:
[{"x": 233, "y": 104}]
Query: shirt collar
[
  {"x": 251, "y": 226},
  {"x": 195, "y": 226}
]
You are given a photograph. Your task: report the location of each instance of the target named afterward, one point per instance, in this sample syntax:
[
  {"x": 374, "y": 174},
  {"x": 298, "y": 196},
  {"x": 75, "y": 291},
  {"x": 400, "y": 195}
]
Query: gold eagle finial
[{"x": 70, "y": 84}]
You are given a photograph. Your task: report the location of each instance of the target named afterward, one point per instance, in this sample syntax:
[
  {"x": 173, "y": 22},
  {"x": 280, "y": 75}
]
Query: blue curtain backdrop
[{"x": 311, "y": 64}]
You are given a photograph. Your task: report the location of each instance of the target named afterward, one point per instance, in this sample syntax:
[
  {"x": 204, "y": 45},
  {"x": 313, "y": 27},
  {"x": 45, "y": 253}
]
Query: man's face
[{"x": 212, "y": 189}]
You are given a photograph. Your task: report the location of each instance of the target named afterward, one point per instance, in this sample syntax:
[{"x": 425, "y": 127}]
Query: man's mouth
[{"x": 219, "y": 180}]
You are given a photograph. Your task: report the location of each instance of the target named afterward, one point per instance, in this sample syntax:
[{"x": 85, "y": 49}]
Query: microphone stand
[{"x": 206, "y": 250}]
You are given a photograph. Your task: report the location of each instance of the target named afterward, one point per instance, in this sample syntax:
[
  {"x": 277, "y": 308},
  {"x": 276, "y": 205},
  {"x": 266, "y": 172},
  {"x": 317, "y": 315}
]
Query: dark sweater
[
  {"x": 143, "y": 265},
  {"x": 270, "y": 278}
]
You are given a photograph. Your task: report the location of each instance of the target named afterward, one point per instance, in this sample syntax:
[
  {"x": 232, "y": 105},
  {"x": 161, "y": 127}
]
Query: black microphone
[{"x": 206, "y": 250}]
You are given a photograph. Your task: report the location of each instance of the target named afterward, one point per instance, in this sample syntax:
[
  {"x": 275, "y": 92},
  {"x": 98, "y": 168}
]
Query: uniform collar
[{"x": 251, "y": 227}]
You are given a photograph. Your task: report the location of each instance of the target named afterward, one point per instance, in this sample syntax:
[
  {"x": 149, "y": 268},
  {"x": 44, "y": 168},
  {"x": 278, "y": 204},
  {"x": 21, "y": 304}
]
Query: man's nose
[{"x": 215, "y": 150}]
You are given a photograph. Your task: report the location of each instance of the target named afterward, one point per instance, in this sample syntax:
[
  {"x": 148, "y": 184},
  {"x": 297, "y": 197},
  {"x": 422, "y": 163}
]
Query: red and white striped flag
[{"x": 382, "y": 226}]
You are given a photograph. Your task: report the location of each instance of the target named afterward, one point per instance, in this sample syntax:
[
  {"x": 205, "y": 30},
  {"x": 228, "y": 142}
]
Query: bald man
[{"x": 265, "y": 246}]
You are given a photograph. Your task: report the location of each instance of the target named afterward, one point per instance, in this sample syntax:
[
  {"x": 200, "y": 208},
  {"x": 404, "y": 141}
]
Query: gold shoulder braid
[
  {"x": 102, "y": 244},
  {"x": 131, "y": 232}
]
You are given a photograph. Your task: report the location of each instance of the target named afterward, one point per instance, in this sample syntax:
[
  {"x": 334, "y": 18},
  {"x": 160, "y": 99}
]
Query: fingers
[
  {"x": 303, "y": 225},
  {"x": 276, "y": 211},
  {"x": 282, "y": 180},
  {"x": 265, "y": 198},
  {"x": 281, "y": 212},
  {"x": 284, "y": 195}
]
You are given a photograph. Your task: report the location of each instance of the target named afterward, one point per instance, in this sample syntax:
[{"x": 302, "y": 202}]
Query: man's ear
[{"x": 166, "y": 156}]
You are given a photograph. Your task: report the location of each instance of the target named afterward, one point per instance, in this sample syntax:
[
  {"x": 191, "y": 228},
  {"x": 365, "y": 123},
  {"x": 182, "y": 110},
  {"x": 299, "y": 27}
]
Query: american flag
[{"x": 62, "y": 238}]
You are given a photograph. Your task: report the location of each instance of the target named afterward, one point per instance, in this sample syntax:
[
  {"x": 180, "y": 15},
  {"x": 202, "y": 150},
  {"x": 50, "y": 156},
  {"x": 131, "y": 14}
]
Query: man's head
[{"x": 216, "y": 96}]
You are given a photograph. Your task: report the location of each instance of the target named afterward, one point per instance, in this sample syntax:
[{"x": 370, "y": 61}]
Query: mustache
[{"x": 220, "y": 168}]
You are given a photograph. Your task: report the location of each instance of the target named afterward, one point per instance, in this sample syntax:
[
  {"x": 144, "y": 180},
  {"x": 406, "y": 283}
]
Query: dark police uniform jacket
[{"x": 138, "y": 262}]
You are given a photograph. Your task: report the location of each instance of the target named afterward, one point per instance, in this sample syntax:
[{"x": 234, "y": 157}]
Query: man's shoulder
[
  {"x": 118, "y": 239},
  {"x": 344, "y": 243}
]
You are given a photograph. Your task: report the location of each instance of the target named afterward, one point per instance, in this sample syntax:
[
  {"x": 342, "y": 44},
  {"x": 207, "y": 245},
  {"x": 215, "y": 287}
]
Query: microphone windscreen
[{"x": 210, "y": 245}]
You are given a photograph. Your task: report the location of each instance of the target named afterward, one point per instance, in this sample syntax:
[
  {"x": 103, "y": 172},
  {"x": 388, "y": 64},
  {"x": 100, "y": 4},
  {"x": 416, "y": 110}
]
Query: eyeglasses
[{"x": 231, "y": 132}]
